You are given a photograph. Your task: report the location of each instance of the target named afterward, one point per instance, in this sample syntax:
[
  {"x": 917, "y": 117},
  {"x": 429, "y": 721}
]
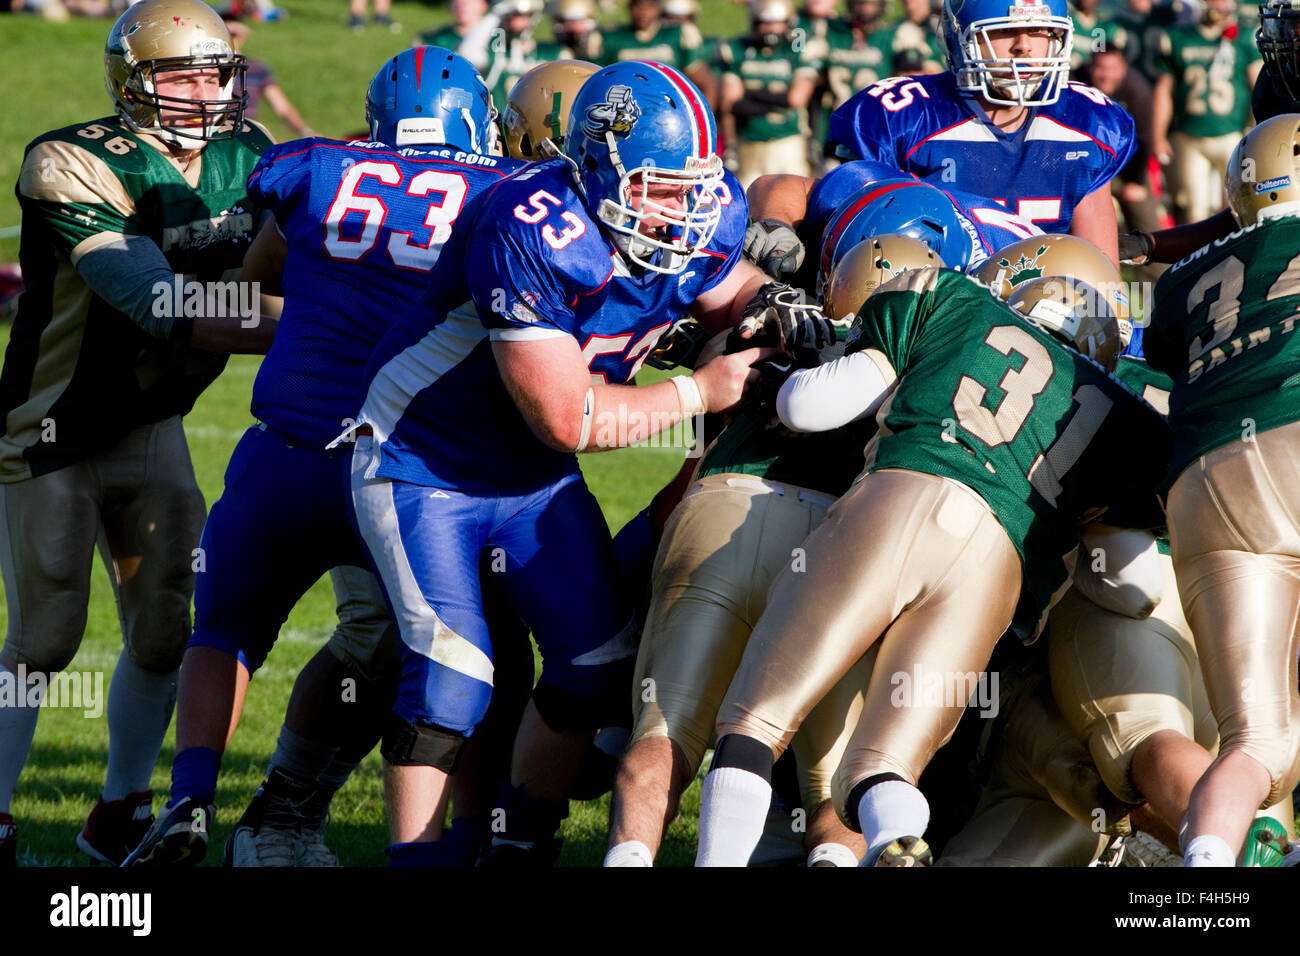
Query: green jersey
[
  {"x": 1211, "y": 87},
  {"x": 855, "y": 60},
  {"x": 1223, "y": 327},
  {"x": 676, "y": 45},
  {"x": 1092, "y": 34},
  {"x": 445, "y": 37},
  {"x": 773, "y": 70},
  {"x": 1044, "y": 435},
  {"x": 915, "y": 47},
  {"x": 74, "y": 362},
  {"x": 509, "y": 58}
]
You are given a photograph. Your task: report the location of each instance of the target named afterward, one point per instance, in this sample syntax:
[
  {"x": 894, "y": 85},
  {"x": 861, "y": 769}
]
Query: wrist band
[
  {"x": 688, "y": 395},
  {"x": 588, "y": 409}
]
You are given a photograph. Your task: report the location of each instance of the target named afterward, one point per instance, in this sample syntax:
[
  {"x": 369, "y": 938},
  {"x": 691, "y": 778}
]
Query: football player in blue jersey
[
  {"x": 1003, "y": 122},
  {"x": 968, "y": 227},
  {"x": 573, "y": 269},
  {"x": 357, "y": 231}
]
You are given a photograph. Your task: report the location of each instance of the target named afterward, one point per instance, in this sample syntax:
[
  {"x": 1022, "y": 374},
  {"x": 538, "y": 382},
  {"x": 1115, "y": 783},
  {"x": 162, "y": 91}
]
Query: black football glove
[
  {"x": 774, "y": 247},
  {"x": 1135, "y": 248},
  {"x": 680, "y": 346},
  {"x": 781, "y": 316}
]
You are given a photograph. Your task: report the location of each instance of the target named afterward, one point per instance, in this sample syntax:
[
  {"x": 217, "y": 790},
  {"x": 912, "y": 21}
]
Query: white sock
[
  {"x": 837, "y": 854},
  {"x": 17, "y": 725},
  {"x": 140, "y": 706},
  {"x": 890, "y": 810},
  {"x": 733, "y": 810},
  {"x": 629, "y": 853},
  {"x": 1209, "y": 850}
]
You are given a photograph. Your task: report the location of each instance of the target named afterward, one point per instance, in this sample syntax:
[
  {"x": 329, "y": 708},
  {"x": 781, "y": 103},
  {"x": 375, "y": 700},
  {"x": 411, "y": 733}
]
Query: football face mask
[{"x": 975, "y": 30}]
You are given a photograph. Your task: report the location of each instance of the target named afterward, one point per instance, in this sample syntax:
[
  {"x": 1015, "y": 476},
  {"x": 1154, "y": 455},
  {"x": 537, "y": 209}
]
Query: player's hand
[
  {"x": 783, "y": 316},
  {"x": 774, "y": 247},
  {"x": 722, "y": 382},
  {"x": 1135, "y": 248},
  {"x": 1164, "y": 153}
]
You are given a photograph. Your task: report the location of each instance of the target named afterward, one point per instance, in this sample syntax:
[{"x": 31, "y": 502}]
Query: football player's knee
[
  {"x": 599, "y": 700},
  {"x": 414, "y": 745},
  {"x": 52, "y": 636},
  {"x": 685, "y": 727},
  {"x": 1276, "y": 746},
  {"x": 156, "y": 634}
]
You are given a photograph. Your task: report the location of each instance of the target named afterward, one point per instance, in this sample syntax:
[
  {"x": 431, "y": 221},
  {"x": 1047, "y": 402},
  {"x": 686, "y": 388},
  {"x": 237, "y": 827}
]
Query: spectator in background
[
  {"x": 574, "y": 23},
  {"x": 766, "y": 86},
  {"x": 1202, "y": 104},
  {"x": 467, "y": 14},
  {"x": 260, "y": 83},
  {"x": 1094, "y": 31},
  {"x": 1109, "y": 71},
  {"x": 915, "y": 42},
  {"x": 381, "y": 17}
]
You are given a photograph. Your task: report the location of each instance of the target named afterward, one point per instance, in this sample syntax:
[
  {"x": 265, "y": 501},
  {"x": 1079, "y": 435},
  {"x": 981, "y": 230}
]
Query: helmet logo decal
[
  {"x": 1277, "y": 182},
  {"x": 1024, "y": 268},
  {"x": 617, "y": 115}
]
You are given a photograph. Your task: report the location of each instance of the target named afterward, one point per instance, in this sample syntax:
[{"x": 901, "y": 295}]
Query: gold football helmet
[
  {"x": 156, "y": 38},
  {"x": 1055, "y": 255},
  {"x": 869, "y": 265},
  {"x": 1263, "y": 176},
  {"x": 1075, "y": 312},
  {"x": 567, "y": 11},
  {"x": 537, "y": 110}
]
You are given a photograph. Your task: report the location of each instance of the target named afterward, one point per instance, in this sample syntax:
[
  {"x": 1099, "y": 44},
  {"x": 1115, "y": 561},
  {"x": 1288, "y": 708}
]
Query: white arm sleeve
[
  {"x": 835, "y": 394},
  {"x": 1119, "y": 570}
]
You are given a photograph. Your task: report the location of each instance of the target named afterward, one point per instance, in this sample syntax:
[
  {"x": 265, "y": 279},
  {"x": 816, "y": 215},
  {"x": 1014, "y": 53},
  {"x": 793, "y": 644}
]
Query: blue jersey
[
  {"x": 989, "y": 225},
  {"x": 926, "y": 126},
  {"x": 365, "y": 223},
  {"x": 533, "y": 264}
]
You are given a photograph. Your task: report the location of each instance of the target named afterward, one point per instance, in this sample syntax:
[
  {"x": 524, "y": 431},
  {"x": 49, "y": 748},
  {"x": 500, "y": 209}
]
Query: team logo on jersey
[
  {"x": 1268, "y": 185},
  {"x": 1023, "y": 269},
  {"x": 617, "y": 115}
]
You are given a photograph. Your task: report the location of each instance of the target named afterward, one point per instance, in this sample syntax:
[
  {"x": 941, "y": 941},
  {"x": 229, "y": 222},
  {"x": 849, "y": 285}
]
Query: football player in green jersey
[
  {"x": 466, "y": 14},
  {"x": 994, "y": 446},
  {"x": 914, "y": 41},
  {"x": 1224, "y": 329},
  {"x": 767, "y": 84},
  {"x": 512, "y": 50},
  {"x": 759, "y": 489},
  {"x": 1093, "y": 31},
  {"x": 1202, "y": 104},
  {"x": 132, "y": 225},
  {"x": 647, "y": 37}
]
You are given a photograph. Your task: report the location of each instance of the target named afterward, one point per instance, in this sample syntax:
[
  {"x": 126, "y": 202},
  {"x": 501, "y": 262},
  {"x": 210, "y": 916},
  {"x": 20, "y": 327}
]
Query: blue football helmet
[
  {"x": 1013, "y": 81},
  {"x": 898, "y": 207},
  {"x": 644, "y": 121},
  {"x": 431, "y": 96}
]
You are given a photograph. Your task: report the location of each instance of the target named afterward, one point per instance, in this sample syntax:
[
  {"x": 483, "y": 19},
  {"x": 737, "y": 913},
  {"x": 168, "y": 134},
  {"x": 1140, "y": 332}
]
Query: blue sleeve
[
  {"x": 282, "y": 174},
  {"x": 860, "y": 130},
  {"x": 724, "y": 249},
  {"x": 516, "y": 288},
  {"x": 1115, "y": 129}
]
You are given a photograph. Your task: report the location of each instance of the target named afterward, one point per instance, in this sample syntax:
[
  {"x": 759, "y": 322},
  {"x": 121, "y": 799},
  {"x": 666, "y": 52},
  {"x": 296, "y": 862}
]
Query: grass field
[{"x": 55, "y": 75}]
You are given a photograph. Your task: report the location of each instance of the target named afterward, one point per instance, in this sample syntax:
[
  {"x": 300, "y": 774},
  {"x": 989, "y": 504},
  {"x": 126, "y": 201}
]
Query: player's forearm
[
  {"x": 624, "y": 415},
  {"x": 1170, "y": 245},
  {"x": 251, "y": 335},
  {"x": 1162, "y": 108},
  {"x": 835, "y": 394}
]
